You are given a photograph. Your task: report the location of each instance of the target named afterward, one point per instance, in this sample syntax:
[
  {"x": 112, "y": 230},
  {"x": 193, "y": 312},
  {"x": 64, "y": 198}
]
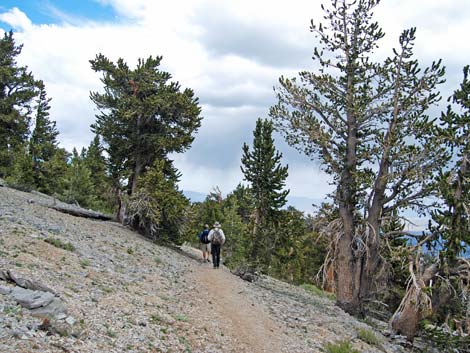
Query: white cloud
[{"x": 17, "y": 19}]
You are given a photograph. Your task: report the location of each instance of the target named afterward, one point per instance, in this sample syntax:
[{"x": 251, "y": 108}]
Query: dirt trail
[{"x": 247, "y": 322}]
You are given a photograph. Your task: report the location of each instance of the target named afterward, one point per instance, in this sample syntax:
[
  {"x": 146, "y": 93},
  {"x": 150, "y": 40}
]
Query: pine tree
[
  {"x": 211, "y": 209},
  {"x": 58, "y": 167},
  {"x": 289, "y": 259},
  {"x": 453, "y": 222},
  {"x": 143, "y": 117},
  {"x": 17, "y": 90},
  {"x": 79, "y": 187},
  {"x": 21, "y": 173},
  {"x": 43, "y": 143},
  {"x": 236, "y": 233},
  {"x": 244, "y": 201},
  {"x": 157, "y": 207},
  {"x": 263, "y": 170},
  {"x": 95, "y": 162},
  {"x": 367, "y": 124}
]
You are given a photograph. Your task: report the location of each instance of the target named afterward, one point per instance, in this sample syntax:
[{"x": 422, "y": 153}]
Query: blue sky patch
[{"x": 60, "y": 11}]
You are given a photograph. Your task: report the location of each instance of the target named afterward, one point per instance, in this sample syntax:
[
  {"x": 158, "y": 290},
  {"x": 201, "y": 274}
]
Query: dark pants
[{"x": 215, "y": 250}]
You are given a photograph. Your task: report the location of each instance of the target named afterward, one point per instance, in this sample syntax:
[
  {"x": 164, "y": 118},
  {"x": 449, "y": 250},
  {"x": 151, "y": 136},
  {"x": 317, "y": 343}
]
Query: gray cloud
[
  {"x": 231, "y": 53},
  {"x": 225, "y": 34},
  {"x": 238, "y": 97}
]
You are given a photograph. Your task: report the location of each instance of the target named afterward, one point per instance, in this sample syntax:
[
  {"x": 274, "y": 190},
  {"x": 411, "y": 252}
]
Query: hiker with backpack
[
  {"x": 205, "y": 243},
  {"x": 217, "y": 239}
]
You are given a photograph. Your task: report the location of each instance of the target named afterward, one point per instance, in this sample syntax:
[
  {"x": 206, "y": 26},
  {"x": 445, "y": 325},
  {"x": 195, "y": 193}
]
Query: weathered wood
[{"x": 80, "y": 212}]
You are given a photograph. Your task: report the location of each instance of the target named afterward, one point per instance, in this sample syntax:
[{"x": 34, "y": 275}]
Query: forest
[{"x": 367, "y": 122}]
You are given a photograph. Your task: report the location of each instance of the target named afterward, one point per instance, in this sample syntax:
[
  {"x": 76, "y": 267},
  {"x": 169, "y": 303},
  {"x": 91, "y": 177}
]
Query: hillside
[{"x": 115, "y": 291}]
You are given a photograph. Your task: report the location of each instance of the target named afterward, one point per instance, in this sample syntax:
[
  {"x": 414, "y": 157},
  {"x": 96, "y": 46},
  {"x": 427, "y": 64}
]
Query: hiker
[
  {"x": 205, "y": 243},
  {"x": 217, "y": 239}
]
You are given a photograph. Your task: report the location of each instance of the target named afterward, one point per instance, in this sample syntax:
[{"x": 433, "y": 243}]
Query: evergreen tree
[
  {"x": 211, "y": 210},
  {"x": 43, "y": 143},
  {"x": 79, "y": 187},
  {"x": 157, "y": 208},
  {"x": 262, "y": 168},
  {"x": 453, "y": 222},
  {"x": 244, "y": 201},
  {"x": 58, "y": 167},
  {"x": 21, "y": 173},
  {"x": 236, "y": 233},
  {"x": 367, "y": 124},
  {"x": 289, "y": 255},
  {"x": 17, "y": 90},
  {"x": 95, "y": 162},
  {"x": 143, "y": 117}
]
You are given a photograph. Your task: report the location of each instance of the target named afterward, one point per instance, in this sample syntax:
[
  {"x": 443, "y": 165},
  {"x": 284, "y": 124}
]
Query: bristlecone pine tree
[
  {"x": 143, "y": 117},
  {"x": 17, "y": 90},
  {"x": 367, "y": 124},
  {"x": 263, "y": 170}
]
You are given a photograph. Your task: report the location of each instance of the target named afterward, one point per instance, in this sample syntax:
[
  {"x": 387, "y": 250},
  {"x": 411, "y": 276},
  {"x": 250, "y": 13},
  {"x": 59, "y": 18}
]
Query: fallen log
[{"x": 80, "y": 212}]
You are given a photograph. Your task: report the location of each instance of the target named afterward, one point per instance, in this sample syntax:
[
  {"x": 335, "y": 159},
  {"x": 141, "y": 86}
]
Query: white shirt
[{"x": 211, "y": 233}]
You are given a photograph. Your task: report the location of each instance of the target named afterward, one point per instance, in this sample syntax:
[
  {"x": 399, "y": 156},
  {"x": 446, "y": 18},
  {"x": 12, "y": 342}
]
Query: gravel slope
[{"x": 125, "y": 294}]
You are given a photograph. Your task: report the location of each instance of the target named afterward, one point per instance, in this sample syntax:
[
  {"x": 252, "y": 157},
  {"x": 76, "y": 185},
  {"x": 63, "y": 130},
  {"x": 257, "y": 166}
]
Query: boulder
[
  {"x": 54, "y": 310},
  {"x": 5, "y": 290},
  {"x": 31, "y": 299},
  {"x": 246, "y": 274},
  {"x": 28, "y": 283}
]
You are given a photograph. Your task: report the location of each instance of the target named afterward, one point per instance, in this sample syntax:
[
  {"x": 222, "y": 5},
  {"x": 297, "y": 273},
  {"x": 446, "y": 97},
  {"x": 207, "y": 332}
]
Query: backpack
[
  {"x": 203, "y": 237},
  {"x": 217, "y": 238}
]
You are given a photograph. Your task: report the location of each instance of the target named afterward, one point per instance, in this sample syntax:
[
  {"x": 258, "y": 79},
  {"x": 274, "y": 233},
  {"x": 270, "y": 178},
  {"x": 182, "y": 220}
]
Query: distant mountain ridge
[{"x": 299, "y": 202}]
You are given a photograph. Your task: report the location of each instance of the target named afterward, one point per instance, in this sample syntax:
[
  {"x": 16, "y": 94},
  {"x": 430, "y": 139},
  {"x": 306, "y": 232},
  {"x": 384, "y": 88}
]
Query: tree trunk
[
  {"x": 121, "y": 209},
  {"x": 349, "y": 260},
  {"x": 139, "y": 162},
  {"x": 346, "y": 271},
  {"x": 138, "y": 168},
  {"x": 348, "y": 264}
]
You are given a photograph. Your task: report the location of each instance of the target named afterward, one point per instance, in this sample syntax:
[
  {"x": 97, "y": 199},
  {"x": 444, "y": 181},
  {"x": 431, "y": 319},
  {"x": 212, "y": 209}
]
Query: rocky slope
[{"x": 96, "y": 286}]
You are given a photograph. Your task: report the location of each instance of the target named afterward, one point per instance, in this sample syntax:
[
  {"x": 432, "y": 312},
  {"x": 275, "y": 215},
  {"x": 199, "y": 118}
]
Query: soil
[{"x": 248, "y": 324}]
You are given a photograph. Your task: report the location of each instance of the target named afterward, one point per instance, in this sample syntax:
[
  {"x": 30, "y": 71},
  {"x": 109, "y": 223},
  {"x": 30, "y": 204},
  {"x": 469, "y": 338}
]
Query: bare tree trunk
[
  {"x": 348, "y": 265},
  {"x": 347, "y": 278}
]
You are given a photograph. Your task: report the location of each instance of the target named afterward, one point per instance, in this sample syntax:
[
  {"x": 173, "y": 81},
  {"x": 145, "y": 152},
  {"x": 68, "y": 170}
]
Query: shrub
[
  {"x": 84, "y": 263},
  {"x": 317, "y": 291},
  {"x": 339, "y": 347},
  {"x": 60, "y": 244},
  {"x": 369, "y": 337}
]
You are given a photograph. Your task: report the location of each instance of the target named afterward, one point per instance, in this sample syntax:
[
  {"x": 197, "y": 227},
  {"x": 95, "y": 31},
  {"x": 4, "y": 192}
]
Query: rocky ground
[{"x": 96, "y": 286}]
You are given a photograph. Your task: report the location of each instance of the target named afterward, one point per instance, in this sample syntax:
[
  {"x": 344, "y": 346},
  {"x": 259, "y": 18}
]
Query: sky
[{"x": 231, "y": 53}]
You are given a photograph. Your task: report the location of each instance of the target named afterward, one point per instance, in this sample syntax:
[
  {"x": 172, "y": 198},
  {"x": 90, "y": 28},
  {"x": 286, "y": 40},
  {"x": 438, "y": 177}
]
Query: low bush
[
  {"x": 60, "y": 244},
  {"x": 339, "y": 347}
]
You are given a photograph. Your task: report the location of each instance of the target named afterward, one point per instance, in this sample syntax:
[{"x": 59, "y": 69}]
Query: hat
[{"x": 217, "y": 224}]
